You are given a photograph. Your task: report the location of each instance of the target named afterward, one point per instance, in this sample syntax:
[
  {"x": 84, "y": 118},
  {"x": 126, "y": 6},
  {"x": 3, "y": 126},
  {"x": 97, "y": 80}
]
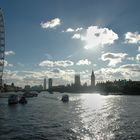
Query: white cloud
[
  {"x": 50, "y": 24},
  {"x": 96, "y": 36},
  {"x": 73, "y": 30},
  {"x": 62, "y": 63},
  {"x": 70, "y": 30},
  {"x": 11, "y": 76},
  {"x": 65, "y": 76},
  {"x": 9, "y": 53},
  {"x": 132, "y": 38},
  {"x": 129, "y": 71},
  {"x": 131, "y": 67},
  {"x": 83, "y": 62},
  {"x": 131, "y": 58},
  {"x": 138, "y": 57},
  {"x": 7, "y": 64},
  {"x": 78, "y": 29},
  {"x": 22, "y": 78},
  {"x": 76, "y": 36},
  {"x": 113, "y": 58},
  {"x": 138, "y": 48},
  {"x": 47, "y": 63}
]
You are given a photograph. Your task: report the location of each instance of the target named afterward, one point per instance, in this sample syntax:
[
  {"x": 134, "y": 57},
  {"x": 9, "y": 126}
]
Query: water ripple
[{"x": 85, "y": 117}]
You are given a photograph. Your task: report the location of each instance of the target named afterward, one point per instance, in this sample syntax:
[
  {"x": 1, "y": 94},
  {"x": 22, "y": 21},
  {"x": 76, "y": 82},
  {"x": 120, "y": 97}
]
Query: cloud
[
  {"x": 113, "y": 58},
  {"x": 62, "y": 63},
  {"x": 65, "y": 63},
  {"x": 83, "y": 62},
  {"x": 96, "y": 36},
  {"x": 132, "y": 38},
  {"x": 128, "y": 71},
  {"x": 9, "y": 53},
  {"x": 138, "y": 57},
  {"x": 138, "y": 48},
  {"x": 50, "y": 24},
  {"x": 22, "y": 78},
  {"x": 131, "y": 58},
  {"x": 78, "y": 29},
  {"x": 70, "y": 30},
  {"x": 7, "y": 64},
  {"x": 131, "y": 67},
  {"x": 73, "y": 30},
  {"x": 65, "y": 76},
  {"x": 76, "y": 36},
  {"x": 47, "y": 63}
]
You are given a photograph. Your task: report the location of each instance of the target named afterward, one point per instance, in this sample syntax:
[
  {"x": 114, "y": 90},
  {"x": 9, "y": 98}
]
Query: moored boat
[
  {"x": 22, "y": 100},
  {"x": 13, "y": 99}
]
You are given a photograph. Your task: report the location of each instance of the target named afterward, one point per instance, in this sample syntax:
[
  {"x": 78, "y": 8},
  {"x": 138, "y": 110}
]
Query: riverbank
[{"x": 7, "y": 94}]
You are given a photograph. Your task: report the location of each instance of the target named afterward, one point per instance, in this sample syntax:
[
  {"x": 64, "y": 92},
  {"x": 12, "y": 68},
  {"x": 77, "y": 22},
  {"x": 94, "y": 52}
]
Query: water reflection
[
  {"x": 95, "y": 117},
  {"x": 92, "y": 101}
]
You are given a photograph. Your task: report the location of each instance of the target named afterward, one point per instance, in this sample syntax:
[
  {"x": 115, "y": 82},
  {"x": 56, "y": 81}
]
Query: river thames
[{"x": 84, "y": 117}]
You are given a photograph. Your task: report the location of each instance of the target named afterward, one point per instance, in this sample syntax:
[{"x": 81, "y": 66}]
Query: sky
[{"x": 59, "y": 38}]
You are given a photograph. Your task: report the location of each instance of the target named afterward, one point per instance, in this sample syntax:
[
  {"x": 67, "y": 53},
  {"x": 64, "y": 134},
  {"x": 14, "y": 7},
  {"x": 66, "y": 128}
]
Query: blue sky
[{"x": 58, "y": 38}]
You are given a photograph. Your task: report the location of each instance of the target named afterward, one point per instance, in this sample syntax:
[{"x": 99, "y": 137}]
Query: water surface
[{"x": 86, "y": 116}]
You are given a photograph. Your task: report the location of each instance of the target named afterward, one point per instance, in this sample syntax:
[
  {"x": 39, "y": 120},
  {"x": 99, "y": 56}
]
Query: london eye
[{"x": 2, "y": 47}]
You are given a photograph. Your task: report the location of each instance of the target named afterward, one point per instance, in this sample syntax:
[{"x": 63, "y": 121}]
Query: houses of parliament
[
  {"x": 76, "y": 86},
  {"x": 78, "y": 82}
]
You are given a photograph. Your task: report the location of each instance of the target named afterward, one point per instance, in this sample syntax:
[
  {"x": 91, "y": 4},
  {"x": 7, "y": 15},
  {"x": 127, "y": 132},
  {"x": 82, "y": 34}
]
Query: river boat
[
  {"x": 22, "y": 100},
  {"x": 65, "y": 98},
  {"x": 51, "y": 92},
  {"x": 13, "y": 99}
]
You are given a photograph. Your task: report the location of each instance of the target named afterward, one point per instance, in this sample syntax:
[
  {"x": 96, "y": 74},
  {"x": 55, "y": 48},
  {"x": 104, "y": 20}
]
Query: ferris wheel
[{"x": 2, "y": 46}]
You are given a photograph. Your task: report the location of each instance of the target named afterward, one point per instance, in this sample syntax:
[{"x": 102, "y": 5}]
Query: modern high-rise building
[
  {"x": 44, "y": 84},
  {"x": 2, "y": 46},
  {"x": 50, "y": 83},
  {"x": 77, "y": 80},
  {"x": 92, "y": 78}
]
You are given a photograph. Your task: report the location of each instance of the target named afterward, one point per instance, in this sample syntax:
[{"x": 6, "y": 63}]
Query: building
[
  {"x": 44, "y": 87},
  {"x": 92, "y": 79},
  {"x": 77, "y": 80},
  {"x": 50, "y": 83},
  {"x": 11, "y": 88}
]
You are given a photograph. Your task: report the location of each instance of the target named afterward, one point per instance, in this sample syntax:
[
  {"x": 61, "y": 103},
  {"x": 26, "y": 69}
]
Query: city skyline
[{"x": 57, "y": 40}]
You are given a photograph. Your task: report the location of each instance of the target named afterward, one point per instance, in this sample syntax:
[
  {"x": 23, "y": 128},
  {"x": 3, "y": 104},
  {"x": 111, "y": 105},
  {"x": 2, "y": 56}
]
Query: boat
[
  {"x": 65, "y": 98},
  {"x": 30, "y": 94},
  {"x": 22, "y": 100},
  {"x": 51, "y": 92},
  {"x": 13, "y": 99}
]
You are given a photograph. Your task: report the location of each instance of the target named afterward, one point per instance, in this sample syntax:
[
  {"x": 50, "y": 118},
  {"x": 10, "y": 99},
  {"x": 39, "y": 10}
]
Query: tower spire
[
  {"x": 92, "y": 72},
  {"x": 92, "y": 79}
]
